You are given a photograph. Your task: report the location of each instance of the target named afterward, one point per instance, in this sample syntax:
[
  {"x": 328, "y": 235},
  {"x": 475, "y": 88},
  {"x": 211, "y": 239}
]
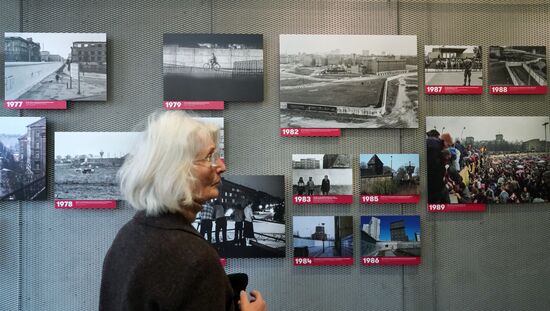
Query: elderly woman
[{"x": 158, "y": 261}]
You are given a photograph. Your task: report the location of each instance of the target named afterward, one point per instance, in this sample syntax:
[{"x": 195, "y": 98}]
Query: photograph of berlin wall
[
  {"x": 501, "y": 160},
  {"x": 220, "y": 67},
  {"x": 456, "y": 65},
  {"x": 322, "y": 236},
  {"x": 22, "y": 158},
  {"x": 55, "y": 66},
  {"x": 390, "y": 174},
  {"x": 385, "y": 236},
  {"x": 221, "y": 139},
  {"x": 348, "y": 81},
  {"x": 517, "y": 65},
  {"x": 86, "y": 164},
  {"x": 321, "y": 174},
  {"x": 247, "y": 220}
]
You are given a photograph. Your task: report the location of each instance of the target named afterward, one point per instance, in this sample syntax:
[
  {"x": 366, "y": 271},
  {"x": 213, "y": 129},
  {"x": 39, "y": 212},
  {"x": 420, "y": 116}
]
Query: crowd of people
[{"x": 468, "y": 174}]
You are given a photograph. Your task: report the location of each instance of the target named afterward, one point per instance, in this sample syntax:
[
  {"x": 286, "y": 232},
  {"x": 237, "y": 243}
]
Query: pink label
[
  {"x": 389, "y": 199},
  {"x": 517, "y": 90},
  {"x": 194, "y": 105},
  {"x": 456, "y": 207},
  {"x": 394, "y": 260},
  {"x": 310, "y": 132},
  {"x": 323, "y": 261},
  {"x": 35, "y": 104},
  {"x": 223, "y": 262},
  {"x": 85, "y": 203},
  {"x": 458, "y": 90},
  {"x": 322, "y": 199}
]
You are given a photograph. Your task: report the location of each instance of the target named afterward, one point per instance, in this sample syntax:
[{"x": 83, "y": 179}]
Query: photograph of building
[
  {"x": 454, "y": 65},
  {"x": 488, "y": 159},
  {"x": 22, "y": 158},
  {"x": 390, "y": 236},
  {"x": 322, "y": 236},
  {"x": 221, "y": 67},
  {"x": 390, "y": 174},
  {"x": 247, "y": 220},
  {"x": 86, "y": 164},
  {"x": 517, "y": 65},
  {"x": 348, "y": 81},
  {"x": 55, "y": 66},
  {"x": 321, "y": 174}
]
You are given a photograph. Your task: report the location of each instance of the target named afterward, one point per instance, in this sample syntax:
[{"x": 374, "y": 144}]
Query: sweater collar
[{"x": 169, "y": 221}]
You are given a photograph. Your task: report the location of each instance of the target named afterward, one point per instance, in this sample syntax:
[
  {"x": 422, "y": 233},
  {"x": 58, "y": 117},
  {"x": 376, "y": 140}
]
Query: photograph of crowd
[
  {"x": 348, "y": 81},
  {"x": 321, "y": 174},
  {"x": 386, "y": 236},
  {"x": 455, "y": 65},
  {"x": 247, "y": 220},
  {"x": 22, "y": 158},
  {"x": 517, "y": 65},
  {"x": 322, "y": 236},
  {"x": 86, "y": 164},
  {"x": 55, "y": 66},
  {"x": 488, "y": 159},
  {"x": 390, "y": 174},
  {"x": 220, "y": 67}
]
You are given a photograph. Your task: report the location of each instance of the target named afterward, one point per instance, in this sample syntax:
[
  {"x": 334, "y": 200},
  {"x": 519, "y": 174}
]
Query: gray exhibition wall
[{"x": 498, "y": 260}]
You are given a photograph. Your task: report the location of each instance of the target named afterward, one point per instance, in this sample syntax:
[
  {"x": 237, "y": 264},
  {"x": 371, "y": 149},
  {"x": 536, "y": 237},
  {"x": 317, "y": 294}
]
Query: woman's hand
[{"x": 258, "y": 304}]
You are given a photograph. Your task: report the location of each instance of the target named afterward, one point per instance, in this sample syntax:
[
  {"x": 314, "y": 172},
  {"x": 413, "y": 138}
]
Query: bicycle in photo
[{"x": 211, "y": 66}]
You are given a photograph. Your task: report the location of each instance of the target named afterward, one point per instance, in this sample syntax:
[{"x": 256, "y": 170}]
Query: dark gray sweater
[{"x": 162, "y": 263}]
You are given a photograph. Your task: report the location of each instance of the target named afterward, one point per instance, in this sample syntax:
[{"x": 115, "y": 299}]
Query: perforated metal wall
[{"x": 499, "y": 260}]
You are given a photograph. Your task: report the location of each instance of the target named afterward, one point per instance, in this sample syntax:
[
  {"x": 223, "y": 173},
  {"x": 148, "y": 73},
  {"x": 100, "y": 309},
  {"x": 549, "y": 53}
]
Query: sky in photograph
[
  {"x": 486, "y": 128},
  {"x": 274, "y": 185},
  {"x": 16, "y": 125},
  {"x": 469, "y": 48},
  {"x": 336, "y": 176},
  {"x": 58, "y": 43},
  {"x": 347, "y": 44},
  {"x": 113, "y": 144},
  {"x": 412, "y": 225},
  {"x": 396, "y": 160},
  {"x": 305, "y": 225}
]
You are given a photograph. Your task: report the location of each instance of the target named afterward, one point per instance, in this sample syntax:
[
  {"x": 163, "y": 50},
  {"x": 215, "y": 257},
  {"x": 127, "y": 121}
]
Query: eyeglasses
[{"x": 211, "y": 158}]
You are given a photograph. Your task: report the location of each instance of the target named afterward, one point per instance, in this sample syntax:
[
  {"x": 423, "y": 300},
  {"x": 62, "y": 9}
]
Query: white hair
[{"x": 156, "y": 175}]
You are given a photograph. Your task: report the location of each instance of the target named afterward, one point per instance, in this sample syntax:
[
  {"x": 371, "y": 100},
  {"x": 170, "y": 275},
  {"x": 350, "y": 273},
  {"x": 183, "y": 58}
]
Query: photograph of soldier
[
  {"x": 55, "y": 66},
  {"x": 326, "y": 174},
  {"x": 517, "y": 65},
  {"x": 217, "y": 67},
  {"x": 322, "y": 236},
  {"x": 453, "y": 65},
  {"x": 348, "y": 81},
  {"x": 390, "y": 174},
  {"x": 488, "y": 160}
]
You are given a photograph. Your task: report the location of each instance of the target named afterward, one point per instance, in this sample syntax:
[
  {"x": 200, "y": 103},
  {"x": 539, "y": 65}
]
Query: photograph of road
[
  {"x": 247, "y": 220},
  {"x": 322, "y": 236},
  {"x": 390, "y": 236},
  {"x": 55, "y": 66},
  {"x": 321, "y": 174},
  {"x": 517, "y": 65},
  {"x": 348, "y": 81},
  {"x": 22, "y": 158},
  {"x": 216, "y": 67},
  {"x": 454, "y": 65},
  {"x": 390, "y": 174},
  {"x": 86, "y": 164},
  {"x": 488, "y": 160}
]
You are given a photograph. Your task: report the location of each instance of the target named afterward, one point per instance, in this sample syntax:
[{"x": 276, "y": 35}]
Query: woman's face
[{"x": 208, "y": 174}]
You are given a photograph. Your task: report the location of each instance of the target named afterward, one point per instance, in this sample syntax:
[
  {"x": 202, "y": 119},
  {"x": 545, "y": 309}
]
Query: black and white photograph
[
  {"x": 213, "y": 67},
  {"x": 488, "y": 160},
  {"x": 86, "y": 164},
  {"x": 453, "y": 65},
  {"x": 517, "y": 65},
  {"x": 348, "y": 81},
  {"x": 390, "y": 236},
  {"x": 55, "y": 66},
  {"x": 322, "y": 236},
  {"x": 321, "y": 174},
  {"x": 247, "y": 220},
  {"x": 22, "y": 158}
]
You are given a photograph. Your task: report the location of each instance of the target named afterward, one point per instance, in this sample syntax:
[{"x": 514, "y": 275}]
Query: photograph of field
[
  {"x": 348, "y": 81},
  {"x": 86, "y": 164},
  {"x": 390, "y": 174}
]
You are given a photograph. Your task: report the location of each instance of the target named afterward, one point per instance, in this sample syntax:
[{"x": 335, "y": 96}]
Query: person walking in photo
[{"x": 325, "y": 185}]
